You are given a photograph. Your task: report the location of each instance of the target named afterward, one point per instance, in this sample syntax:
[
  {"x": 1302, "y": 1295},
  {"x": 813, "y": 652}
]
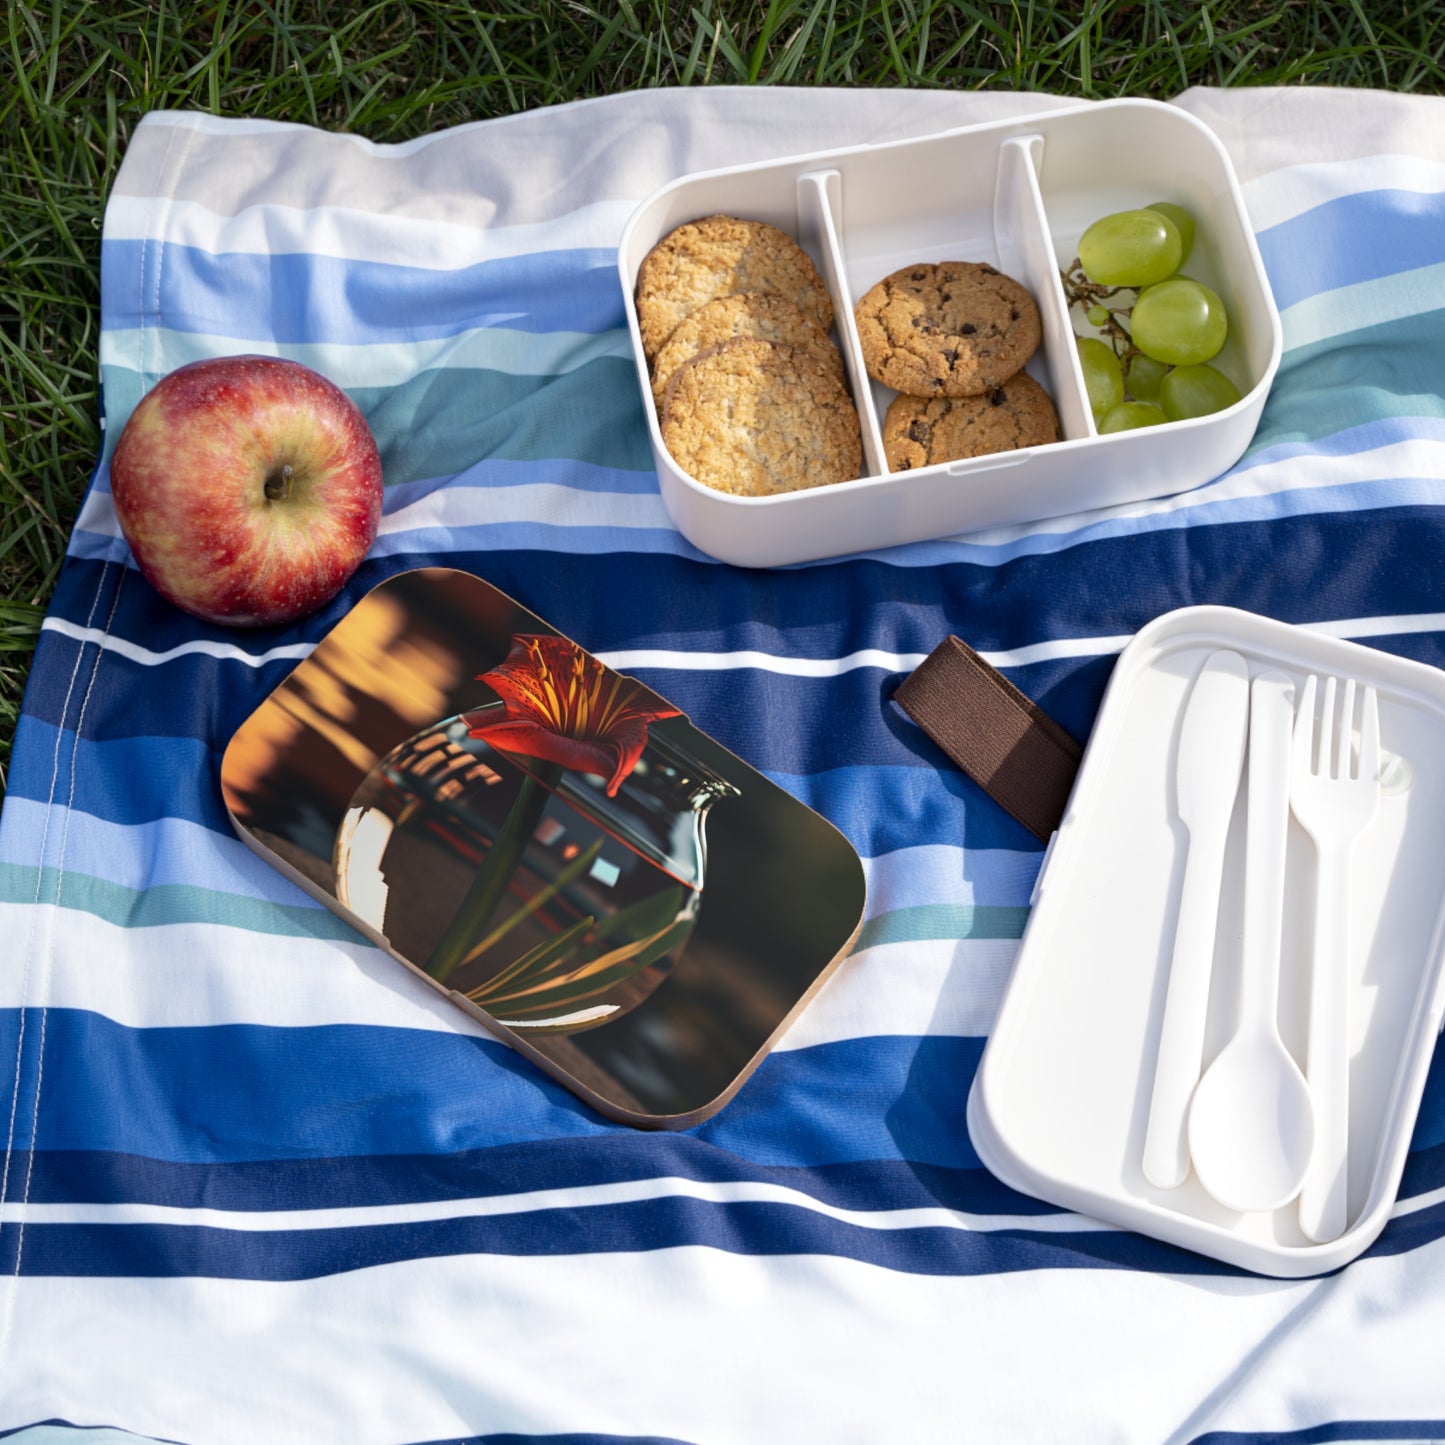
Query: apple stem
[{"x": 278, "y": 484}]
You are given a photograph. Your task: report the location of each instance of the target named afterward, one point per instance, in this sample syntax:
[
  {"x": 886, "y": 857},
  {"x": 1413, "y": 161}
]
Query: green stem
[
  {"x": 574, "y": 870},
  {"x": 490, "y": 884}
]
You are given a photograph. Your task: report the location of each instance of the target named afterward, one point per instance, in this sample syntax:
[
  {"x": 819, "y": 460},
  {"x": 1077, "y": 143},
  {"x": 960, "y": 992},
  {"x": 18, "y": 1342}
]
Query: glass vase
[{"x": 522, "y": 884}]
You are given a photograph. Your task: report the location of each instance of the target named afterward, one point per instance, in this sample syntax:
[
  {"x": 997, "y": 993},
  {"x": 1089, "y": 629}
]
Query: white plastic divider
[
  {"x": 1026, "y": 248},
  {"x": 820, "y": 224},
  {"x": 1025, "y": 251}
]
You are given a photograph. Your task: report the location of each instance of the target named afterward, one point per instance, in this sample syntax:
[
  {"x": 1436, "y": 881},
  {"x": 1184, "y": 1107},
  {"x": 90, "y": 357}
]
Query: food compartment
[
  {"x": 956, "y": 197},
  {"x": 1062, "y": 1101},
  {"x": 1177, "y": 161},
  {"x": 982, "y": 194}
]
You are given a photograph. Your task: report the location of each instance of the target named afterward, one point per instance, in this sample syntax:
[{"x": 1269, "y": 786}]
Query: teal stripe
[
  {"x": 487, "y": 348},
  {"x": 1377, "y": 373},
  {"x": 942, "y": 921},
  {"x": 438, "y": 423},
  {"x": 168, "y": 903}
]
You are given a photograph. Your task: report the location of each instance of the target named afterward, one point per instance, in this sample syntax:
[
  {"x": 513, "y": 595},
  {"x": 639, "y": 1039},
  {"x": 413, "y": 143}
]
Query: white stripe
[
  {"x": 937, "y": 873},
  {"x": 201, "y": 647},
  {"x": 1284, "y": 194},
  {"x": 1418, "y": 1202},
  {"x": 671, "y": 660},
  {"x": 1362, "y": 305},
  {"x": 192, "y": 975},
  {"x": 663, "y": 659},
  {"x": 172, "y": 850},
  {"x": 667, "y": 659},
  {"x": 594, "y": 1196},
  {"x": 1419, "y": 457},
  {"x": 354, "y": 366},
  {"x": 546, "y": 502},
  {"x": 928, "y": 988},
  {"x": 589, "y": 1196},
  {"x": 349, "y": 234},
  {"x": 184, "y": 975},
  {"x": 454, "y": 507},
  {"x": 695, "y": 1343}
]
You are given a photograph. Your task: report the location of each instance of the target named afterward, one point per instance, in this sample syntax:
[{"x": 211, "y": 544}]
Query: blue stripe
[
  {"x": 882, "y": 809},
  {"x": 71, "y": 1177},
  {"x": 146, "y": 779},
  {"x": 1350, "y": 239},
  {"x": 1378, "y": 563},
  {"x": 160, "y": 854},
  {"x": 1274, "y": 444},
  {"x": 569, "y": 1438},
  {"x": 56, "y": 1431},
  {"x": 1346, "y": 1432},
  {"x": 237, "y": 1093},
  {"x": 213, "y": 1093},
  {"x": 299, "y": 297},
  {"x": 127, "y": 780},
  {"x": 755, "y": 1229}
]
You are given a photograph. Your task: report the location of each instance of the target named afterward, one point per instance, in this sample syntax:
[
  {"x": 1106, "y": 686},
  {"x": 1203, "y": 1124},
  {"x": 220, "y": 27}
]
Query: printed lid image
[{"x": 547, "y": 842}]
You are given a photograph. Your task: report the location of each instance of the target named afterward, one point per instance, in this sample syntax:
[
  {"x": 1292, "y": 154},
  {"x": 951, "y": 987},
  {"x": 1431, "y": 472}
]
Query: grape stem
[{"x": 1086, "y": 295}]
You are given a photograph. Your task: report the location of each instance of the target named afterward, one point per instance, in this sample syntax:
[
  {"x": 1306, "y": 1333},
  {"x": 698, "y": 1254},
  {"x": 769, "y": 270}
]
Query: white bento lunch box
[
  {"x": 1060, "y": 1105},
  {"x": 1016, "y": 195}
]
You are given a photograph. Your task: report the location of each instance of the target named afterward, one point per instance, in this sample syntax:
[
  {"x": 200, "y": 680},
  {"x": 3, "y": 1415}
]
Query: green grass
[{"x": 76, "y": 77}]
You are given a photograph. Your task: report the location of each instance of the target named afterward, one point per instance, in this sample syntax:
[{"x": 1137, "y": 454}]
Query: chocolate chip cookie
[
  {"x": 717, "y": 256},
  {"x": 749, "y": 313},
  {"x": 752, "y": 417},
  {"x": 955, "y": 328},
  {"x": 918, "y": 432}
]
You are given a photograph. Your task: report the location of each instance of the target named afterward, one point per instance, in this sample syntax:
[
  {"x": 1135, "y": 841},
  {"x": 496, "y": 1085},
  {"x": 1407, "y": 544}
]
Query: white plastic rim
[{"x": 1060, "y": 1103}]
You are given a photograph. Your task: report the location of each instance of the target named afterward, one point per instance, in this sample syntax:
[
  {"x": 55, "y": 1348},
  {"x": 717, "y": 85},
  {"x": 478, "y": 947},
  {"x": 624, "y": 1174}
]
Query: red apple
[{"x": 248, "y": 487}]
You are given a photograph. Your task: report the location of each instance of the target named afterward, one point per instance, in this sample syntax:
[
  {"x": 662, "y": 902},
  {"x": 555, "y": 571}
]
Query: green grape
[
  {"x": 1103, "y": 376},
  {"x": 1196, "y": 391},
  {"x": 1144, "y": 376},
  {"x": 1130, "y": 248},
  {"x": 1183, "y": 223},
  {"x": 1098, "y": 315},
  {"x": 1179, "y": 322},
  {"x": 1129, "y": 415}
]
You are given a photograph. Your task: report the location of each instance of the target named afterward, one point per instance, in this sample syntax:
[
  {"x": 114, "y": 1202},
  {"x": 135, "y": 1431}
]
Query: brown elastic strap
[{"x": 1011, "y": 748}]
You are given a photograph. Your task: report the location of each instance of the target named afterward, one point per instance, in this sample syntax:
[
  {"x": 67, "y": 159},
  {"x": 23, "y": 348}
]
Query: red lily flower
[{"x": 562, "y": 705}]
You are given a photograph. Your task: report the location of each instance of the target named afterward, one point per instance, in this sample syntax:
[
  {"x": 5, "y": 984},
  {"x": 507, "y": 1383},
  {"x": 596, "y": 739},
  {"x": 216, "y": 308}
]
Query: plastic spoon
[
  {"x": 1251, "y": 1122},
  {"x": 1211, "y": 755}
]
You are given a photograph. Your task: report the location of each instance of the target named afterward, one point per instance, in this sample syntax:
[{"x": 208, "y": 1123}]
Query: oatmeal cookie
[
  {"x": 918, "y": 432},
  {"x": 956, "y": 328},
  {"x": 717, "y": 256},
  {"x": 752, "y": 417},
  {"x": 748, "y": 313}
]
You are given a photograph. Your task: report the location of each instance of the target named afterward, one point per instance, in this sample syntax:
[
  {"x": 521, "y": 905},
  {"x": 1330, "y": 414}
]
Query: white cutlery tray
[
  {"x": 1060, "y": 1104},
  {"x": 1016, "y": 195}
]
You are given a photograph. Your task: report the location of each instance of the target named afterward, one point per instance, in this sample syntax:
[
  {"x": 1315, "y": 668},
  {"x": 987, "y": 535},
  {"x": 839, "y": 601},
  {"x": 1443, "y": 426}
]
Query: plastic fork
[{"x": 1334, "y": 793}]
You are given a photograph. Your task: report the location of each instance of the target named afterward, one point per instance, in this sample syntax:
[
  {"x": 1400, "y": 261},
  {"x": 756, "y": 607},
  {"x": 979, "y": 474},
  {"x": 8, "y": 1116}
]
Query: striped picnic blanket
[{"x": 260, "y": 1184}]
